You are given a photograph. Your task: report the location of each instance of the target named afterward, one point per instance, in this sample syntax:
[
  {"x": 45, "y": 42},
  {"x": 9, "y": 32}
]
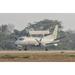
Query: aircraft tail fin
[{"x": 55, "y": 32}]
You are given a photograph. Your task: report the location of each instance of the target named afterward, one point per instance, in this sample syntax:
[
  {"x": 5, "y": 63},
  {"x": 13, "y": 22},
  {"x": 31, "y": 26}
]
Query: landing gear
[
  {"x": 19, "y": 49},
  {"x": 46, "y": 49},
  {"x": 22, "y": 48},
  {"x": 25, "y": 48}
]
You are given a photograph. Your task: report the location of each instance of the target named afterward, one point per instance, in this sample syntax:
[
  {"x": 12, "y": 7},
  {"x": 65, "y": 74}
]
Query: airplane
[{"x": 23, "y": 42}]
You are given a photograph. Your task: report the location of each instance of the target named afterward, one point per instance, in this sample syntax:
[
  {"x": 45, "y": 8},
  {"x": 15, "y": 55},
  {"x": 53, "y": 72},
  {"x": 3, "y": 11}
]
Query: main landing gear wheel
[
  {"x": 25, "y": 48},
  {"x": 19, "y": 49},
  {"x": 46, "y": 49}
]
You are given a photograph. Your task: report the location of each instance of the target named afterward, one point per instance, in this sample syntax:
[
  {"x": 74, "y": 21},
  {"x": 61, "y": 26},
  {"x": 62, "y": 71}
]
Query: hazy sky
[{"x": 20, "y": 20}]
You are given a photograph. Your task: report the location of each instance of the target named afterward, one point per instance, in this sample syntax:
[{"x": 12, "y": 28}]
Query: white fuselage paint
[
  {"x": 28, "y": 41},
  {"x": 32, "y": 41}
]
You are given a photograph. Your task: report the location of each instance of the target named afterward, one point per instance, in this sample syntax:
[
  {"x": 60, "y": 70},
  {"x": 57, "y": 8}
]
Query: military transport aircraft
[{"x": 23, "y": 42}]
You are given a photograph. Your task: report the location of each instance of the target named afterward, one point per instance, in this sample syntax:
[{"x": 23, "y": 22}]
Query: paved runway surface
[
  {"x": 51, "y": 51},
  {"x": 25, "y": 56}
]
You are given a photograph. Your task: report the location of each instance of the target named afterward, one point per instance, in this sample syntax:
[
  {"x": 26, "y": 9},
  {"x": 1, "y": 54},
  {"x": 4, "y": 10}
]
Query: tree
[{"x": 44, "y": 24}]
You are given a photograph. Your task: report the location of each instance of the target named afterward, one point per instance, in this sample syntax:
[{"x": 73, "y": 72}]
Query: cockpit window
[{"x": 21, "y": 38}]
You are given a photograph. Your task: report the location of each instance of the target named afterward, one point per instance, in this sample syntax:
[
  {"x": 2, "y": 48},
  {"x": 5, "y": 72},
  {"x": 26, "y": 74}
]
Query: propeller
[{"x": 39, "y": 41}]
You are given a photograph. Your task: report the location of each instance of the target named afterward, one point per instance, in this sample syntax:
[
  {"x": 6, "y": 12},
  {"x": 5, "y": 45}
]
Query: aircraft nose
[{"x": 17, "y": 43}]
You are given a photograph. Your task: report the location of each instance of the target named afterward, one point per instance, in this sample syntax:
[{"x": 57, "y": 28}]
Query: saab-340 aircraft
[{"x": 23, "y": 42}]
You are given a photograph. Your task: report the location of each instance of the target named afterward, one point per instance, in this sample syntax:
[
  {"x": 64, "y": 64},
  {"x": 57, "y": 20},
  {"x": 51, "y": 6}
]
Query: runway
[
  {"x": 50, "y": 51},
  {"x": 38, "y": 56}
]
